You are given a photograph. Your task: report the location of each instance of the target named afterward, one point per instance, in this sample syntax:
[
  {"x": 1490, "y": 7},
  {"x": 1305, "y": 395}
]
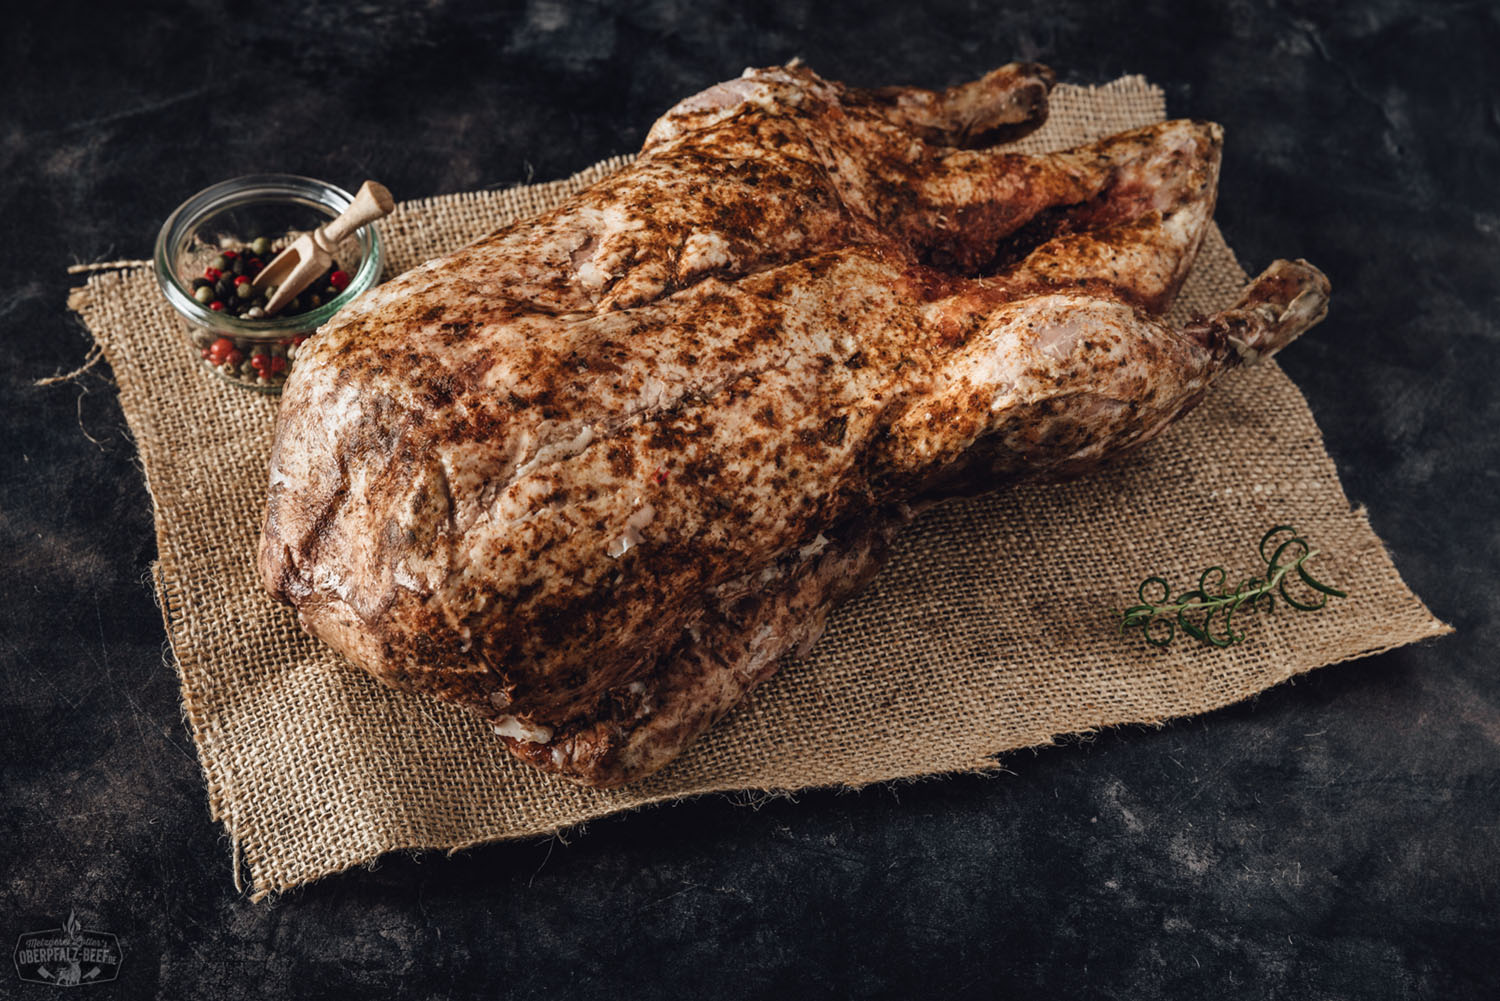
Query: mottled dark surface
[{"x": 1335, "y": 838}]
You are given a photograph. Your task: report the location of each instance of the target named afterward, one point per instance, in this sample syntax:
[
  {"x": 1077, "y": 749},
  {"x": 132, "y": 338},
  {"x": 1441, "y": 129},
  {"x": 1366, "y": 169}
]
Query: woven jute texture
[{"x": 992, "y": 628}]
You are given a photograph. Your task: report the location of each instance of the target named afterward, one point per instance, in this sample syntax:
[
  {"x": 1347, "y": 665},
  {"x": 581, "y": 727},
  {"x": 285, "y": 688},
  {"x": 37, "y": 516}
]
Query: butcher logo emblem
[{"x": 69, "y": 956}]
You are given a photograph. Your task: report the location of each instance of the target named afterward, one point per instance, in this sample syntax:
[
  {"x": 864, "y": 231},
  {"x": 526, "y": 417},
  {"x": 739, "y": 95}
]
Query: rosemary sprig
[{"x": 1207, "y": 612}]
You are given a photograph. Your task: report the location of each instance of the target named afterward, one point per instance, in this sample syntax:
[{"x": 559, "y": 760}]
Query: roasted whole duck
[{"x": 595, "y": 475}]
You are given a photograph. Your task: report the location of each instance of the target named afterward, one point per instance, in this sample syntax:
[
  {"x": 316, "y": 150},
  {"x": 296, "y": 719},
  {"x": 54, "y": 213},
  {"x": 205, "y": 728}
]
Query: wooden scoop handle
[{"x": 372, "y": 202}]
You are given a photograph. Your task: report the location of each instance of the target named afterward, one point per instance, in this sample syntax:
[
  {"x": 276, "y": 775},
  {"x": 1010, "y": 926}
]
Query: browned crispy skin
[
  {"x": 595, "y": 474},
  {"x": 1001, "y": 106}
]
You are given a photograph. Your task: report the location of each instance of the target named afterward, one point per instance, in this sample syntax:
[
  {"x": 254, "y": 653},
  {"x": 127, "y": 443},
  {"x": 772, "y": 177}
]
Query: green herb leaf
[{"x": 1207, "y": 612}]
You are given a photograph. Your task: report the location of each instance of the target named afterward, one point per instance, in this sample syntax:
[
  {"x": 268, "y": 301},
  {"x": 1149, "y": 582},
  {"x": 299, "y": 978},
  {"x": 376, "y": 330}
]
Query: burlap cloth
[{"x": 993, "y": 628}]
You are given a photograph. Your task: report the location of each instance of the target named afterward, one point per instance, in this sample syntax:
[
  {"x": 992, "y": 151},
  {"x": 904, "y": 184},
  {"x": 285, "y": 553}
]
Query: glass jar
[{"x": 228, "y": 216}]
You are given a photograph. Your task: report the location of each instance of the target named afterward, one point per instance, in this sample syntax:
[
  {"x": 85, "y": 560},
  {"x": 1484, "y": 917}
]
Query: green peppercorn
[
  {"x": 219, "y": 263},
  {"x": 260, "y": 246},
  {"x": 204, "y": 294},
  {"x": 244, "y": 291}
]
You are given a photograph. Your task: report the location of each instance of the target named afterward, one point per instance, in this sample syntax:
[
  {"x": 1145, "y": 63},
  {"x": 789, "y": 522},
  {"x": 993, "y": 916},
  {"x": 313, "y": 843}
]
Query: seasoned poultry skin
[{"x": 593, "y": 476}]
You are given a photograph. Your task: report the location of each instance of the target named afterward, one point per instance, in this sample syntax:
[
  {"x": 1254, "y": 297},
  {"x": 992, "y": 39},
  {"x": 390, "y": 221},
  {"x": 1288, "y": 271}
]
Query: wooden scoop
[{"x": 310, "y": 254}]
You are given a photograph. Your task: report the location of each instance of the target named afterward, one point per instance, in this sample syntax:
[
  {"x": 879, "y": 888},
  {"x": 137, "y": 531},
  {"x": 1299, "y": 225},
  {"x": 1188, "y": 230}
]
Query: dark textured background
[{"x": 1335, "y": 838}]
